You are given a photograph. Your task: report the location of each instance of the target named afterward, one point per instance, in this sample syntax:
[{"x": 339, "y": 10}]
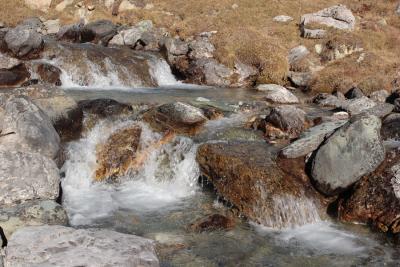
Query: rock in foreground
[
  {"x": 351, "y": 152},
  {"x": 246, "y": 175},
  {"x": 375, "y": 199},
  {"x": 27, "y": 176},
  {"x": 67, "y": 247}
]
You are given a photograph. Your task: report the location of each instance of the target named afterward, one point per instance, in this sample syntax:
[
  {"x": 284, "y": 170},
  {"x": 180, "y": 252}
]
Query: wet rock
[
  {"x": 49, "y": 74},
  {"x": 104, "y": 107},
  {"x": 212, "y": 223},
  {"x": 31, "y": 213},
  {"x": 354, "y": 93},
  {"x": 351, "y": 152},
  {"x": 176, "y": 117},
  {"x": 396, "y": 103},
  {"x": 100, "y": 31},
  {"x": 117, "y": 155},
  {"x": 391, "y": 126},
  {"x": 282, "y": 18},
  {"x": 311, "y": 139},
  {"x": 246, "y": 175},
  {"x": 277, "y": 94},
  {"x": 42, "y": 5},
  {"x": 24, "y": 41},
  {"x": 7, "y": 63},
  {"x": 27, "y": 128},
  {"x": 339, "y": 17},
  {"x": 27, "y": 176},
  {"x": 53, "y": 245},
  {"x": 14, "y": 77},
  {"x": 289, "y": 119},
  {"x": 379, "y": 96},
  {"x": 375, "y": 199}
]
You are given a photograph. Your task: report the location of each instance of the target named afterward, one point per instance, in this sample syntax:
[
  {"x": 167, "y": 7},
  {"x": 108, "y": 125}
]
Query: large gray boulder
[
  {"x": 311, "y": 139},
  {"x": 339, "y": 17},
  {"x": 66, "y": 247},
  {"x": 27, "y": 176},
  {"x": 27, "y": 128},
  {"x": 352, "y": 151},
  {"x": 23, "y": 40}
]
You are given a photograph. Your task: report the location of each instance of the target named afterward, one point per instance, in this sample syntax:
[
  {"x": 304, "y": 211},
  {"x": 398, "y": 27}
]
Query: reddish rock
[
  {"x": 375, "y": 199},
  {"x": 116, "y": 156},
  {"x": 246, "y": 175}
]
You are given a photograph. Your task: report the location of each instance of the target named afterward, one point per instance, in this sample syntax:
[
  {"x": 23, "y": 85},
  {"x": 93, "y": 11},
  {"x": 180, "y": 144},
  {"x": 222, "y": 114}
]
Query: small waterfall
[
  {"x": 86, "y": 65},
  {"x": 169, "y": 175}
]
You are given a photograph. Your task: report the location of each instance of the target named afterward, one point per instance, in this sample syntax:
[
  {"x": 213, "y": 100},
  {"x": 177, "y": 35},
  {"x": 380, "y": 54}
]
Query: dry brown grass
[{"x": 249, "y": 34}]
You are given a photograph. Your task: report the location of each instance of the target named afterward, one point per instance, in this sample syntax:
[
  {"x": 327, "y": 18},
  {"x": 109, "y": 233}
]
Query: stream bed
[{"x": 165, "y": 197}]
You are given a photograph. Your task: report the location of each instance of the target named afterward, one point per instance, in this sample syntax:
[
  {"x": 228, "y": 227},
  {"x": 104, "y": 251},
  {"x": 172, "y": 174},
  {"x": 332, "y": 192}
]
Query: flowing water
[{"x": 163, "y": 197}]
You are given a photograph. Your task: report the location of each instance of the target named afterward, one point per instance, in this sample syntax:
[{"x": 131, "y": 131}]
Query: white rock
[
  {"x": 126, "y": 6},
  {"x": 297, "y": 53},
  {"x": 27, "y": 176},
  {"x": 61, "y": 6},
  {"x": 66, "y": 247},
  {"x": 282, "y": 18},
  {"x": 7, "y": 62},
  {"x": 339, "y": 17},
  {"x": 278, "y": 94},
  {"x": 42, "y": 5}
]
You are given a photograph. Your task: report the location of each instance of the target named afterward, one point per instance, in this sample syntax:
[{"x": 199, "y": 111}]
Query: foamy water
[{"x": 169, "y": 175}]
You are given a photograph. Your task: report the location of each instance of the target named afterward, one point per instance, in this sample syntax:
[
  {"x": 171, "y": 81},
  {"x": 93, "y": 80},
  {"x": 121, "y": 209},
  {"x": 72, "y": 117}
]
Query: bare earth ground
[{"x": 248, "y": 33}]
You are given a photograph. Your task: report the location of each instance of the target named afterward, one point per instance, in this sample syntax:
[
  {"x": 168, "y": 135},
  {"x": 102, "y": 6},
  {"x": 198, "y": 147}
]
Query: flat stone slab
[
  {"x": 311, "y": 139},
  {"x": 61, "y": 246}
]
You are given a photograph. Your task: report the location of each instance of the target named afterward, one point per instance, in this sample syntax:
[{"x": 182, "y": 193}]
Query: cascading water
[
  {"x": 169, "y": 174},
  {"x": 86, "y": 65}
]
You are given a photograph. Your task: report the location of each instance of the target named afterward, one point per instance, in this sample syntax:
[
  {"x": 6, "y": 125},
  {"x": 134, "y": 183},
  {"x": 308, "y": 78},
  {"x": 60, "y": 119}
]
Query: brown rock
[
  {"x": 14, "y": 77},
  {"x": 115, "y": 157},
  {"x": 212, "y": 223},
  {"x": 375, "y": 199},
  {"x": 246, "y": 175},
  {"x": 49, "y": 74},
  {"x": 175, "y": 117}
]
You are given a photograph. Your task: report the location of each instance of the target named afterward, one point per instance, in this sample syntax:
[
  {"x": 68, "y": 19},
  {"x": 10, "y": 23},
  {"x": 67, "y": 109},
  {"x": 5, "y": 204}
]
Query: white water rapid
[{"x": 169, "y": 175}]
